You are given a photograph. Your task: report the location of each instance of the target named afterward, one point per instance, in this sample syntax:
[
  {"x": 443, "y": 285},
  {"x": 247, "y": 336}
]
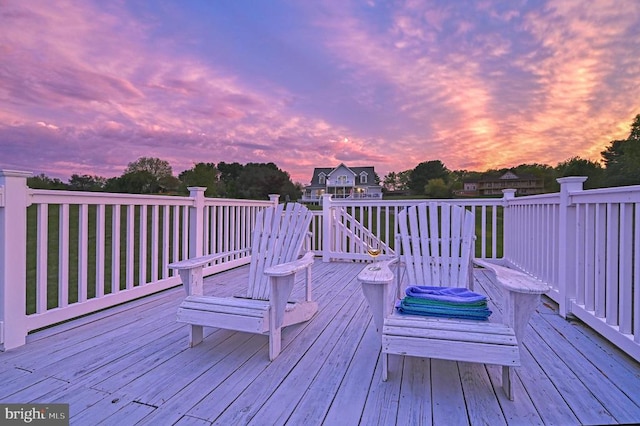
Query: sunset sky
[{"x": 88, "y": 86}]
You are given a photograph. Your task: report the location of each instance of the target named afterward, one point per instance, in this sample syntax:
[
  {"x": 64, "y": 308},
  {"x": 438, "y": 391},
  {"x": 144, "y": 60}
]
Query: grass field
[{"x": 73, "y": 264}]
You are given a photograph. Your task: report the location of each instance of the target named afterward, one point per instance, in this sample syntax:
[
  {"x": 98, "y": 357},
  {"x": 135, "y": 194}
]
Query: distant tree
[
  {"x": 154, "y": 166},
  {"x": 139, "y": 182},
  {"x": 634, "y": 134},
  {"x": 424, "y": 172},
  {"x": 169, "y": 184},
  {"x": 403, "y": 180},
  {"x": 376, "y": 179},
  {"x": 229, "y": 174},
  {"x": 86, "y": 183},
  {"x": 577, "y": 166},
  {"x": 258, "y": 180},
  {"x": 622, "y": 158},
  {"x": 42, "y": 181},
  {"x": 146, "y": 175},
  {"x": 202, "y": 174},
  {"x": 437, "y": 188},
  {"x": 390, "y": 182}
]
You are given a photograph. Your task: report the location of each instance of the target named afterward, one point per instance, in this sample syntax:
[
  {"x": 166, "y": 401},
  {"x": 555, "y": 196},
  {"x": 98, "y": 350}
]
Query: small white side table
[{"x": 375, "y": 280}]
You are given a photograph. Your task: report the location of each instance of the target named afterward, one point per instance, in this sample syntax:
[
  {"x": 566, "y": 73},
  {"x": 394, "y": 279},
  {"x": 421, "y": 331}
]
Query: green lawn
[{"x": 53, "y": 251}]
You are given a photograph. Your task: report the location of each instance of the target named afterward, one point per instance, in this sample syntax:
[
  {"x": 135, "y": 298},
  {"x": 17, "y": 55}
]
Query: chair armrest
[
  {"x": 520, "y": 299},
  {"x": 381, "y": 275},
  {"x": 203, "y": 260},
  {"x": 514, "y": 280},
  {"x": 289, "y": 268},
  {"x": 191, "y": 270}
]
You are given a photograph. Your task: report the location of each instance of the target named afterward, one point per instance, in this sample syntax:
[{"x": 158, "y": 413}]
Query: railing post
[
  {"x": 507, "y": 223},
  {"x": 13, "y": 258},
  {"x": 327, "y": 227},
  {"x": 274, "y": 198},
  {"x": 196, "y": 221},
  {"x": 567, "y": 243}
]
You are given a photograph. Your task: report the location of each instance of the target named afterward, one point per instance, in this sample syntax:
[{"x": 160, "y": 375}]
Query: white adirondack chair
[
  {"x": 278, "y": 239},
  {"x": 436, "y": 243}
]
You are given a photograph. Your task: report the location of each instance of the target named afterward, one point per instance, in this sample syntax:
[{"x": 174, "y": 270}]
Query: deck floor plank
[
  {"x": 78, "y": 396},
  {"x": 620, "y": 369},
  {"x": 350, "y": 397},
  {"x": 133, "y": 364},
  {"x": 127, "y": 368},
  {"x": 480, "y": 397},
  {"x": 381, "y": 406},
  {"x": 316, "y": 400},
  {"x": 189, "y": 396},
  {"x": 228, "y": 391},
  {"x": 447, "y": 396},
  {"x": 618, "y": 405},
  {"x": 520, "y": 411},
  {"x": 312, "y": 342},
  {"x": 415, "y": 393},
  {"x": 579, "y": 396}
]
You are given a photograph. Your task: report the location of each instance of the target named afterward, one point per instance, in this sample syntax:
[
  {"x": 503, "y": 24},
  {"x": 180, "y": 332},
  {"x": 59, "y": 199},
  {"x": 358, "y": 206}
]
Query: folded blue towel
[
  {"x": 445, "y": 294},
  {"x": 444, "y": 310},
  {"x": 444, "y": 302}
]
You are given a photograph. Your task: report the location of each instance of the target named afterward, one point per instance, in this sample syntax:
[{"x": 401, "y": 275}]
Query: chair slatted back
[
  {"x": 436, "y": 244},
  {"x": 278, "y": 237}
]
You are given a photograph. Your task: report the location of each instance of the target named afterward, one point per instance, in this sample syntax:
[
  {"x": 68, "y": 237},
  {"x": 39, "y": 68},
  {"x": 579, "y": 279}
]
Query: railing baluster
[
  {"x": 612, "y": 266},
  {"x": 155, "y": 249},
  {"x": 115, "y": 247},
  {"x": 42, "y": 230},
  {"x": 175, "y": 252},
  {"x": 625, "y": 299},
  {"x": 166, "y": 233},
  {"x": 142, "y": 244},
  {"x": 100, "y": 249},
  {"x": 600, "y": 256},
  {"x": 130, "y": 253},
  {"x": 83, "y": 251},
  {"x": 636, "y": 275}
]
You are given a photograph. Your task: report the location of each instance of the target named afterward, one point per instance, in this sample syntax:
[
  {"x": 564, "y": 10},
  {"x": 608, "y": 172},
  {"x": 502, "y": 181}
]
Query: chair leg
[
  {"x": 275, "y": 342},
  {"x": 196, "y": 334},
  {"x": 507, "y": 373},
  {"x": 385, "y": 366}
]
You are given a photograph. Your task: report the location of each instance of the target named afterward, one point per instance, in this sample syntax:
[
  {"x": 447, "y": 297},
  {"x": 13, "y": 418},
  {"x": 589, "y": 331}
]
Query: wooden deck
[{"x": 131, "y": 364}]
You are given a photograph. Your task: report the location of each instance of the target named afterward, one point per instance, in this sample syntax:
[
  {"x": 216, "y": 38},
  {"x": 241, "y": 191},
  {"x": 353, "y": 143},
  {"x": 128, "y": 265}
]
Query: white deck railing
[
  {"x": 353, "y": 223},
  {"x": 66, "y": 253},
  {"x": 586, "y": 245}
]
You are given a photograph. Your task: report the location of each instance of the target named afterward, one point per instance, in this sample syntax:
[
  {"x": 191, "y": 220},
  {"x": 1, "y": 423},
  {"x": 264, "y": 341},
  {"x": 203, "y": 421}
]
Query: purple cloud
[{"x": 87, "y": 87}]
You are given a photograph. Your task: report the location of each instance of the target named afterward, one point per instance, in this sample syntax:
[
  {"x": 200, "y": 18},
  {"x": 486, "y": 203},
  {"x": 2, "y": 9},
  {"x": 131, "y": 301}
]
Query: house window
[
  {"x": 322, "y": 178},
  {"x": 363, "y": 177},
  {"x": 342, "y": 179}
]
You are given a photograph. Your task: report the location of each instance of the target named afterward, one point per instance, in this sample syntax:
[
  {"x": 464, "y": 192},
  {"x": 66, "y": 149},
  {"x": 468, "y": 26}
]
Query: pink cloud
[{"x": 82, "y": 91}]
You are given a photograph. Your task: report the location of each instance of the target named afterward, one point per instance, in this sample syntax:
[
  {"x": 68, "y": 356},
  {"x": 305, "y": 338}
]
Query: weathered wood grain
[{"x": 133, "y": 364}]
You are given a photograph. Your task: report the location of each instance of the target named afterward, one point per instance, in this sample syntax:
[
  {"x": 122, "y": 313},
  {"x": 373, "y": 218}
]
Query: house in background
[
  {"x": 342, "y": 182},
  {"x": 488, "y": 185}
]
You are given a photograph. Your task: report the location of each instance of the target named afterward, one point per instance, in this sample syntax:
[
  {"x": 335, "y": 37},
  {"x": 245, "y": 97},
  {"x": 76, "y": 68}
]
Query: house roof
[
  {"x": 505, "y": 176},
  {"x": 328, "y": 170}
]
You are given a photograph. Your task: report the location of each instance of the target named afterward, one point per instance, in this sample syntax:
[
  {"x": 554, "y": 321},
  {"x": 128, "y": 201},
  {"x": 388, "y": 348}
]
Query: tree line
[
  {"x": 620, "y": 166},
  {"x": 147, "y": 175},
  {"x": 150, "y": 175}
]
